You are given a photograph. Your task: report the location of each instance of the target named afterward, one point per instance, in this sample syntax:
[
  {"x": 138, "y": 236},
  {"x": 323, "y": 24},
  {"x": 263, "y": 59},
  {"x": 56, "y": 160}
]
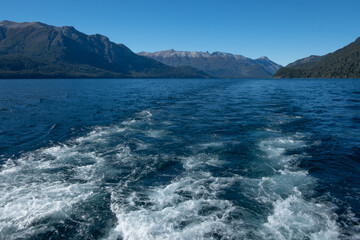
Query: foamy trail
[
  {"x": 116, "y": 181},
  {"x": 49, "y": 185},
  {"x": 35, "y": 188},
  {"x": 186, "y": 208},
  {"x": 294, "y": 216},
  {"x": 192, "y": 205}
]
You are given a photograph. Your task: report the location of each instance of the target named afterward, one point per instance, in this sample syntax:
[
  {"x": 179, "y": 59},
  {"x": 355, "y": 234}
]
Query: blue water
[{"x": 179, "y": 159}]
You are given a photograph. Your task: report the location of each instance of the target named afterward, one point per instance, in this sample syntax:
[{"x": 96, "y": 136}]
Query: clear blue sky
[{"x": 282, "y": 30}]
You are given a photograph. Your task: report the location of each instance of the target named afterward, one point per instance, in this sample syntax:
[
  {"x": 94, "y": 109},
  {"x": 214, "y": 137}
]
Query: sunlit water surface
[{"x": 179, "y": 159}]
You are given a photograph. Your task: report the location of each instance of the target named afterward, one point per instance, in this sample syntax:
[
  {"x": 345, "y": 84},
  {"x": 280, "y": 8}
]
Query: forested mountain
[
  {"x": 343, "y": 63},
  {"x": 38, "y": 50}
]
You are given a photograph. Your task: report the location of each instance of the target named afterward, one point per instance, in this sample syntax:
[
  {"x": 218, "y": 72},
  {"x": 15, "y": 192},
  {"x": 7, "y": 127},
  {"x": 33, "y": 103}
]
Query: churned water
[{"x": 179, "y": 159}]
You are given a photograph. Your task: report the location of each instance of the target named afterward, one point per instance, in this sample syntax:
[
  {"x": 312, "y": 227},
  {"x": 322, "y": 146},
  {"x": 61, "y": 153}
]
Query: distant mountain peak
[
  {"x": 263, "y": 58},
  {"x": 191, "y": 54},
  {"x": 218, "y": 64}
]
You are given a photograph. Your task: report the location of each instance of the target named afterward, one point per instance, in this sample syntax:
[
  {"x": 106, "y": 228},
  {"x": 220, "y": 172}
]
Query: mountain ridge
[
  {"x": 35, "y": 49},
  {"x": 217, "y": 64},
  {"x": 342, "y": 63}
]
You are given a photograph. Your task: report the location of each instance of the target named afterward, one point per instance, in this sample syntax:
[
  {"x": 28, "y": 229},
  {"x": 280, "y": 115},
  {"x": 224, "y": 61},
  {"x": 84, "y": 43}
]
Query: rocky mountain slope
[
  {"x": 38, "y": 50},
  {"x": 217, "y": 64}
]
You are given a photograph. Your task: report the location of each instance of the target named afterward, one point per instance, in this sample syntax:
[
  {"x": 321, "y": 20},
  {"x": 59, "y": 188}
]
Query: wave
[{"x": 116, "y": 180}]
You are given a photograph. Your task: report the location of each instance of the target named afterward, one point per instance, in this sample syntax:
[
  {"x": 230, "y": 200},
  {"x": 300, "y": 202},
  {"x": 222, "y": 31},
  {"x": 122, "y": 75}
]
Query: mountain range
[
  {"x": 343, "y": 63},
  {"x": 38, "y": 50},
  {"x": 218, "y": 64}
]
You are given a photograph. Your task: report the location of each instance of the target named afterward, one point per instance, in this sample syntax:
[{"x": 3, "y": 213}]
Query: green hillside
[{"x": 343, "y": 63}]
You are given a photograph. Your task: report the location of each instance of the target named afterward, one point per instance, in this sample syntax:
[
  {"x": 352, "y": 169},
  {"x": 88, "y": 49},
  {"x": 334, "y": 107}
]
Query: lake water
[{"x": 179, "y": 159}]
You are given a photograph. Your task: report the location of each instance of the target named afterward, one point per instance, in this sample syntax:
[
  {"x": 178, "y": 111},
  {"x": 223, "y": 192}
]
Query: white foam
[
  {"x": 145, "y": 114},
  {"x": 189, "y": 206},
  {"x": 179, "y": 222},
  {"x": 129, "y": 122},
  {"x": 156, "y": 133},
  {"x": 123, "y": 153},
  {"x": 296, "y": 218},
  {"x": 293, "y": 217},
  {"x": 142, "y": 145},
  {"x": 35, "y": 186},
  {"x": 186, "y": 208},
  {"x": 100, "y": 134},
  {"x": 30, "y": 197},
  {"x": 167, "y": 123},
  {"x": 272, "y": 130},
  {"x": 276, "y": 148},
  {"x": 200, "y": 161},
  {"x": 212, "y": 145},
  {"x": 174, "y": 211}
]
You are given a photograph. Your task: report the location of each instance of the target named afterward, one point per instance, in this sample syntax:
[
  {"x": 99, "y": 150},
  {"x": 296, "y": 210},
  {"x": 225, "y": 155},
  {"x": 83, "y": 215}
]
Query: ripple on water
[{"x": 122, "y": 178}]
